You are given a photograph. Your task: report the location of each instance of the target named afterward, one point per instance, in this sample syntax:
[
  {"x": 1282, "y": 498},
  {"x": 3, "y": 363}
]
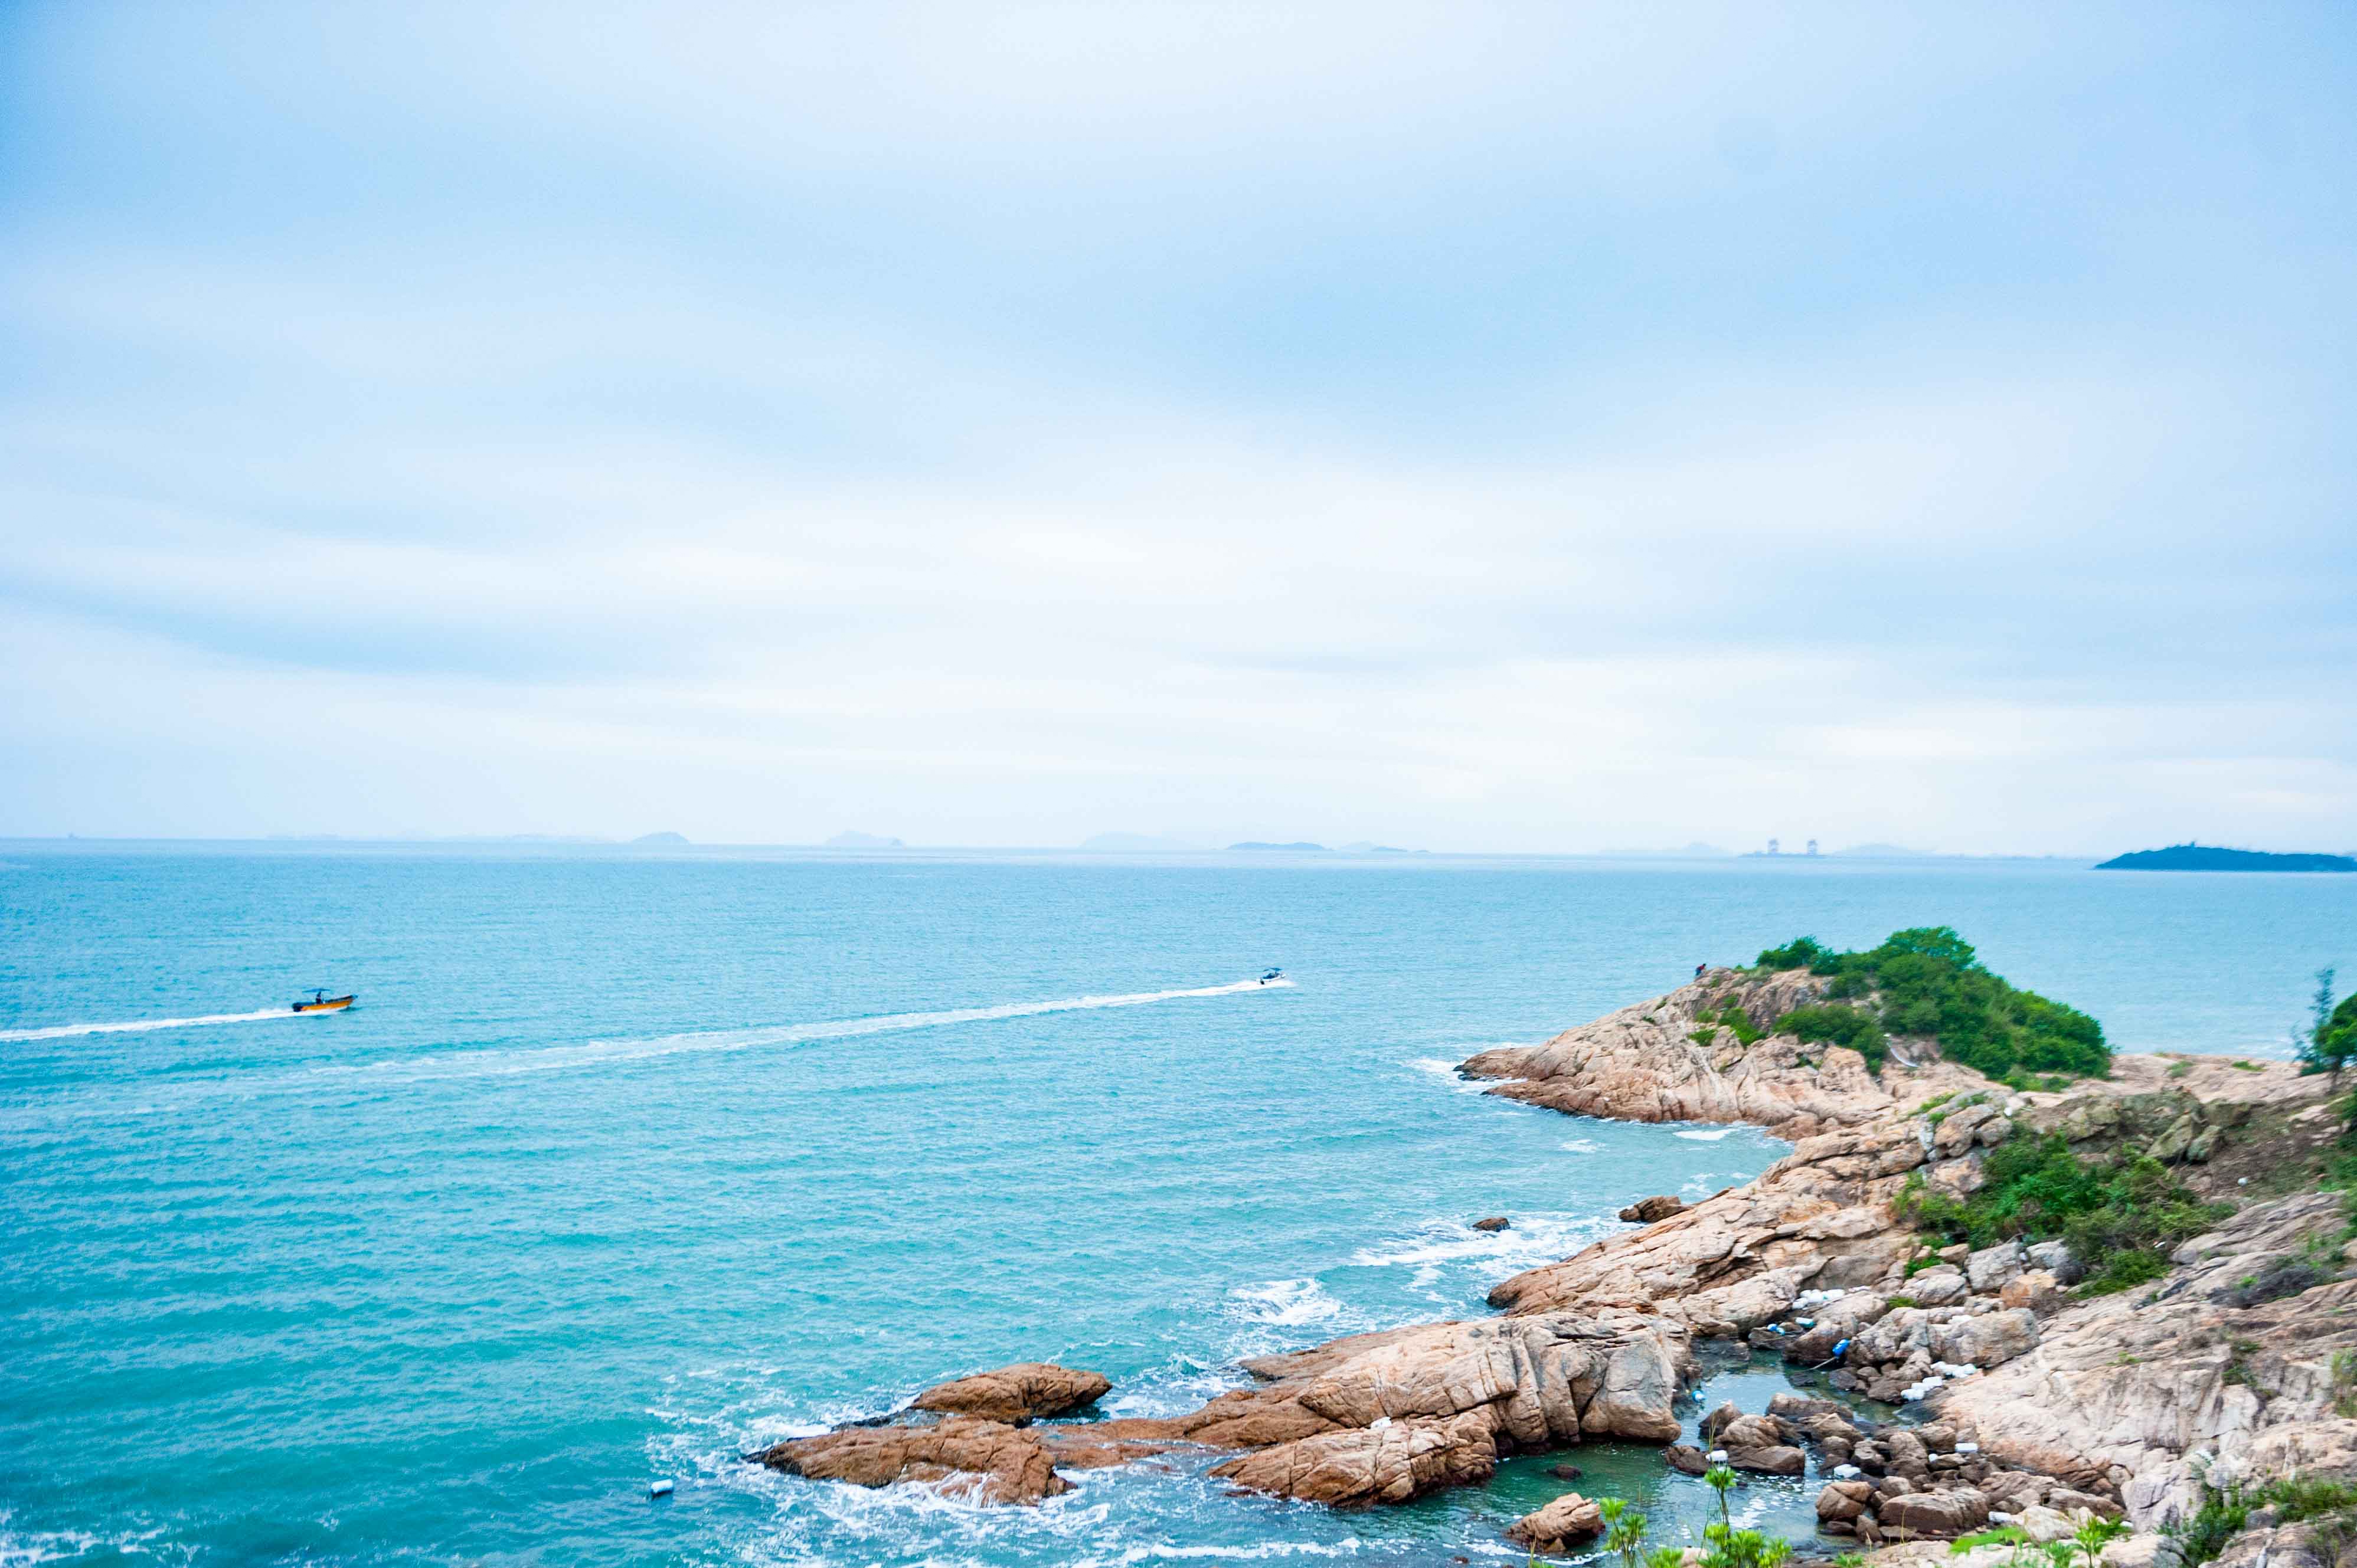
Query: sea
[{"x": 632, "y": 1161}]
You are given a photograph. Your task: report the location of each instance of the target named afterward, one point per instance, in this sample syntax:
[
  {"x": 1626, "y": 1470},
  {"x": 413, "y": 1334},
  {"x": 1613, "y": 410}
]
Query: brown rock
[
  {"x": 984, "y": 1461},
  {"x": 1026, "y": 1391},
  {"x": 1777, "y": 1461},
  {"x": 1754, "y": 1432},
  {"x": 1394, "y": 1462},
  {"x": 1842, "y": 1501},
  {"x": 1685, "y": 1456},
  {"x": 1940, "y": 1514},
  {"x": 1495, "y": 1222},
  {"x": 1562, "y": 1524},
  {"x": 1645, "y": 1210}
]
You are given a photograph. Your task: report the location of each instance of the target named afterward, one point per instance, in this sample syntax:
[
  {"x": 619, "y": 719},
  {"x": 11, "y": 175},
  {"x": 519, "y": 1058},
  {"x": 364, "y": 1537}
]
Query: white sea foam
[
  {"x": 139, "y": 1025},
  {"x": 1711, "y": 1136},
  {"x": 1289, "y": 1302},
  {"x": 1446, "y": 1071},
  {"x": 1580, "y": 1146}
]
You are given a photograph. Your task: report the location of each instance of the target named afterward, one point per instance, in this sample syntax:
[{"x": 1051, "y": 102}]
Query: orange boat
[{"x": 322, "y": 1003}]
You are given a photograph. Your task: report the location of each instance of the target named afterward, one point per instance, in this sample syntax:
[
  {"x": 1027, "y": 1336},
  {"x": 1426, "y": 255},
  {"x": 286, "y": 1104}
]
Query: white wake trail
[
  {"x": 556, "y": 1058},
  {"x": 139, "y": 1025}
]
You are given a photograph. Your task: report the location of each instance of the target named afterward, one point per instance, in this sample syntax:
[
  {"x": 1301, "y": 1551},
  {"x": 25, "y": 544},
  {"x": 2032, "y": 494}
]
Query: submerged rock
[{"x": 1495, "y": 1222}]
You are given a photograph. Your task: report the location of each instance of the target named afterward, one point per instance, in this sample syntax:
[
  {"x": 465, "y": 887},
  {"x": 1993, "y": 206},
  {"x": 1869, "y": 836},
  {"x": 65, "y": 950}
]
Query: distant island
[
  {"x": 2191, "y": 856},
  {"x": 659, "y": 838}
]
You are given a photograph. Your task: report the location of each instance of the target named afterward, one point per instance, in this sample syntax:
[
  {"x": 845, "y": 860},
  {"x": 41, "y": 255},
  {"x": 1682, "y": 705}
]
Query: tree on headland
[{"x": 2331, "y": 1039}]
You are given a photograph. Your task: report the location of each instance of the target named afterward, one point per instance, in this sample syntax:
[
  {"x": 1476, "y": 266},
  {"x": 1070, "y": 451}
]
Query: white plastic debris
[
  {"x": 1968, "y": 1447},
  {"x": 1379, "y": 1423},
  {"x": 1718, "y": 1455},
  {"x": 1998, "y": 1515},
  {"x": 659, "y": 1489},
  {"x": 1847, "y": 1472},
  {"x": 1951, "y": 1369}
]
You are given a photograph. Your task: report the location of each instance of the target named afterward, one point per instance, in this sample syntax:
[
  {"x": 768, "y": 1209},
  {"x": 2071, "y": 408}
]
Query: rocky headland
[{"x": 2037, "y": 1390}]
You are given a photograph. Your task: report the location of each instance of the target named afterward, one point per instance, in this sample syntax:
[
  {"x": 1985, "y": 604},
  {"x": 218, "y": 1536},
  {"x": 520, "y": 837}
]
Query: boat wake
[
  {"x": 140, "y": 1025},
  {"x": 556, "y": 1058}
]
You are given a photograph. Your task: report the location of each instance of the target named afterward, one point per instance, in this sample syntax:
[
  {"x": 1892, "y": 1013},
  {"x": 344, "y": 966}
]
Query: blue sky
[{"x": 1516, "y": 428}]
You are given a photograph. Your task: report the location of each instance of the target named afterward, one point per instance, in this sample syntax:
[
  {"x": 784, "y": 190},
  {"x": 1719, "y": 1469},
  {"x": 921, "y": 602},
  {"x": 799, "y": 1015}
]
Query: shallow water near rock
[{"x": 630, "y": 1162}]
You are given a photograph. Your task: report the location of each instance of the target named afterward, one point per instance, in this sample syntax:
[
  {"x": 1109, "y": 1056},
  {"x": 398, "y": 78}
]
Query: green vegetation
[
  {"x": 2330, "y": 1505},
  {"x": 1734, "y": 1017},
  {"x": 1843, "y": 1026},
  {"x": 1928, "y": 981},
  {"x": 1624, "y": 1532},
  {"x": 2129, "y": 1213},
  {"x": 1728, "y": 1546},
  {"x": 2331, "y": 1038},
  {"x": 2004, "y": 1535}
]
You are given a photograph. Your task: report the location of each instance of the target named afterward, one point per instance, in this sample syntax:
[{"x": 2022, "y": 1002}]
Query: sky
[{"x": 1514, "y": 428}]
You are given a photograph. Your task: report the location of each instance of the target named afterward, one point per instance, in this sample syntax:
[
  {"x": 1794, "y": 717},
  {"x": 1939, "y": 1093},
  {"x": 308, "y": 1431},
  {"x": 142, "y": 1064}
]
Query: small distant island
[
  {"x": 660, "y": 839},
  {"x": 2191, "y": 856}
]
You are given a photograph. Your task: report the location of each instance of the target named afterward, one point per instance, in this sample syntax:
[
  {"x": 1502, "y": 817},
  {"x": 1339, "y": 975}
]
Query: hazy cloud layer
[{"x": 1514, "y": 428}]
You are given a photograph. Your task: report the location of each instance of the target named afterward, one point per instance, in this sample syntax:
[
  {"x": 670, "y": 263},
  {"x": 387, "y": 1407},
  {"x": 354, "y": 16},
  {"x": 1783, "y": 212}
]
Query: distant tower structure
[
  {"x": 1813, "y": 846},
  {"x": 1774, "y": 848}
]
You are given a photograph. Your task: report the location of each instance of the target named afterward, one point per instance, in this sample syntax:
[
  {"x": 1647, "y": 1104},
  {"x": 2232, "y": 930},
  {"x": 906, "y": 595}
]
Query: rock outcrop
[
  {"x": 1355, "y": 1420},
  {"x": 1569, "y": 1522},
  {"x": 1029, "y": 1390},
  {"x": 966, "y": 1456},
  {"x": 1390, "y": 1462},
  {"x": 1673, "y": 1060}
]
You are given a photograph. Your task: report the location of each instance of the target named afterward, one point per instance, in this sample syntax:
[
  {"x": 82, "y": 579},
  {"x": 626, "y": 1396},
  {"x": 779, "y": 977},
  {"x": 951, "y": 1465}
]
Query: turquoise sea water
[{"x": 630, "y": 1160}]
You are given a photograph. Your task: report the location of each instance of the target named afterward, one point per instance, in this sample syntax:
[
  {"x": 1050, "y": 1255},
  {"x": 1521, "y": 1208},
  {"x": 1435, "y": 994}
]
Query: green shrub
[
  {"x": 1928, "y": 981},
  {"x": 2004, "y": 1535},
  {"x": 2129, "y": 1213},
  {"x": 1851, "y": 1027}
]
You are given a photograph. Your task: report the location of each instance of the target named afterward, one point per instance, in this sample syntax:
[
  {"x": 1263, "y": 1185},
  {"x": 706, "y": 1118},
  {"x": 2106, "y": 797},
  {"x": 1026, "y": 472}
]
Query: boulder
[
  {"x": 1754, "y": 1432},
  {"x": 1794, "y": 1406},
  {"x": 1989, "y": 1340},
  {"x": 2037, "y": 1290},
  {"x": 1566, "y": 1472},
  {"x": 1558, "y": 1527},
  {"x": 982, "y": 1461},
  {"x": 1843, "y": 1500},
  {"x": 1646, "y": 1211},
  {"x": 2057, "y": 1259},
  {"x": 1495, "y": 1222},
  {"x": 1686, "y": 1457},
  {"x": 1988, "y": 1270},
  {"x": 1941, "y": 1514},
  {"x": 1394, "y": 1463},
  {"x": 1942, "y": 1286},
  {"x": 2043, "y": 1524},
  {"x": 1029, "y": 1390},
  {"x": 1772, "y": 1461}
]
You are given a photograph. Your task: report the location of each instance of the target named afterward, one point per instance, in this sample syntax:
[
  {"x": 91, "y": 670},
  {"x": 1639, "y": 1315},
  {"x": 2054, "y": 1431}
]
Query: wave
[
  {"x": 556, "y": 1058},
  {"x": 1446, "y": 1071},
  {"x": 1287, "y": 1302},
  {"x": 1710, "y": 1137},
  {"x": 140, "y": 1025}
]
